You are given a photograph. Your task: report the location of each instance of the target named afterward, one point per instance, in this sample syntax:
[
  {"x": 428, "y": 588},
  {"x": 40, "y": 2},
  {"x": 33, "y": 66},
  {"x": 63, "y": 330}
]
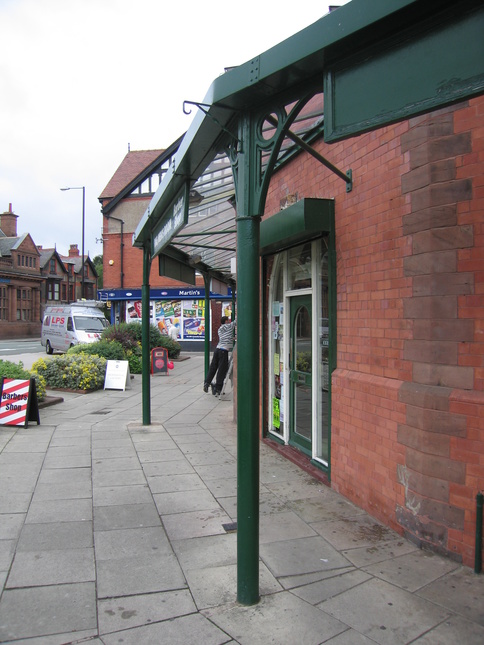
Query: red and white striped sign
[{"x": 14, "y": 402}]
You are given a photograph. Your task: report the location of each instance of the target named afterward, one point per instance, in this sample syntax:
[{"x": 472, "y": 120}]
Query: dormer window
[{"x": 52, "y": 266}]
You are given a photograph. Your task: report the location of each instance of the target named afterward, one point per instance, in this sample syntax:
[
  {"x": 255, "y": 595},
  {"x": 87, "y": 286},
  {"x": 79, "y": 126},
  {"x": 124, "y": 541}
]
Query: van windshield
[{"x": 86, "y": 323}]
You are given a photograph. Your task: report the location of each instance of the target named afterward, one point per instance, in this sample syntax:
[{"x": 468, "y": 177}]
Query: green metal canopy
[{"x": 377, "y": 61}]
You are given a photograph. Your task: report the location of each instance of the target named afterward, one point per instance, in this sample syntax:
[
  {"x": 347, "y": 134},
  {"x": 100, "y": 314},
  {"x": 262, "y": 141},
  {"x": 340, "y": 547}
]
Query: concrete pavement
[{"x": 113, "y": 532}]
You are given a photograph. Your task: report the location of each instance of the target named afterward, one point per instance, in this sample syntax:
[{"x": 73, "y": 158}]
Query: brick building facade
[
  {"x": 403, "y": 435},
  {"x": 124, "y": 200},
  {"x": 32, "y": 277}
]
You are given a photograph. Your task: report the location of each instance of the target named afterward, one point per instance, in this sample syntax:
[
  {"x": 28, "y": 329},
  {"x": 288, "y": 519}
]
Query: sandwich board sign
[
  {"x": 18, "y": 402},
  {"x": 117, "y": 375},
  {"x": 159, "y": 361}
]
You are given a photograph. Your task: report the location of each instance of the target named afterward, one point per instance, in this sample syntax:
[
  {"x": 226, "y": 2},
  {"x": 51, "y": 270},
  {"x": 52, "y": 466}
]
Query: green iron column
[
  {"x": 145, "y": 338},
  {"x": 206, "y": 282},
  {"x": 248, "y": 358}
]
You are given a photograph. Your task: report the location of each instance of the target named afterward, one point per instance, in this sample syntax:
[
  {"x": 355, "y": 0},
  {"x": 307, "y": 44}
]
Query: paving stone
[
  {"x": 160, "y": 468},
  {"x": 40, "y": 611},
  {"x": 69, "y": 490},
  {"x": 453, "y": 630},
  {"x": 175, "y": 483},
  {"x": 218, "y": 585},
  {"x": 7, "y": 551},
  {"x": 119, "y": 463},
  {"x": 122, "y": 543},
  {"x": 282, "y": 526},
  {"x": 195, "y": 524},
  {"x": 138, "y": 575},
  {"x": 317, "y": 592},
  {"x": 133, "y": 611},
  {"x": 65, "y": 475},
  {"x": 55, "y": 536},
  {"x": 182, "y": 502},
  {"x": 204, "y": 552},
  {"x": 11, "y": 525},
  {"x": 125, "y": 516},
  {"x": 11, "y": 502},
  {"x": 393, "y": 548},
  {"x": 412, "y": 571},
  {"x": 108, "y": 495},
  {"x": 461, "y": 591},
  {"x": 303, "y": 555},
  {"x": 66, "y": 461},
  {"x": 187, "y": 630},
  {"x": 386, "y": 614},
  {"x": 119, "y": 478},
  {"x": 279, "y": 618},
  {"x": 59, "y": 510},
  {"x": 40, "y": 568}
]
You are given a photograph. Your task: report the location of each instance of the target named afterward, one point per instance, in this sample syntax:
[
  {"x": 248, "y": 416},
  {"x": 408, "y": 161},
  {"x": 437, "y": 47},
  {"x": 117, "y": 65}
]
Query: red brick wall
[
  {"x": 132, "y": 265},
  {"x": 407, "y": 424}
]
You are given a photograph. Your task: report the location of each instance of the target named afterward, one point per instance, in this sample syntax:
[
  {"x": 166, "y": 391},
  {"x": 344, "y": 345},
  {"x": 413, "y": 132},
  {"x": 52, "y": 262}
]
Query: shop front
[
  {"x": 298, "y": 251},
  {"x": 183, "y": 309}
]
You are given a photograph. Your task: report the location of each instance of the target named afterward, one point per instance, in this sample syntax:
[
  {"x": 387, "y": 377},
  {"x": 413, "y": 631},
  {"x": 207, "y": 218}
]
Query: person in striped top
[{"x": 220, "y": 360}]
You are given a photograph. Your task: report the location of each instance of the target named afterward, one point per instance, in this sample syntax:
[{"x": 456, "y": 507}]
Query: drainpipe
[
  {"x": 478, "y": 553},
  {"x": 145, "y": 337}
]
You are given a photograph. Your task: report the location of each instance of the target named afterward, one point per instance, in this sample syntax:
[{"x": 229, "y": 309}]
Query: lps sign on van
[{"x": 69, "y": 325}]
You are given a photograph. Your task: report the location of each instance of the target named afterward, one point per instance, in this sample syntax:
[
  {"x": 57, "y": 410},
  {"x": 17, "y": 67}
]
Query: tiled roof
[
  {"x": 9, "y": 243},
  {"x": 134, "y": 163}
]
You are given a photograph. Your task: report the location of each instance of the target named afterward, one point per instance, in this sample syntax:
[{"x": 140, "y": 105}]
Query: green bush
[
  {"x": 122, "y": 335},
  {"x": 133, "y": 331},
  {"x": 72, "y": 371},
  {"x": 110, "y": 350},
  {"x": 17, "y": 371}
]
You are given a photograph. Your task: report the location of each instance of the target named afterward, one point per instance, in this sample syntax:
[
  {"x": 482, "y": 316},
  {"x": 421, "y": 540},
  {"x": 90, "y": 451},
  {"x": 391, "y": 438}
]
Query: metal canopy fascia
[
  {"x": 285, "y": 68},
  {"x": 291, "y": 72}
]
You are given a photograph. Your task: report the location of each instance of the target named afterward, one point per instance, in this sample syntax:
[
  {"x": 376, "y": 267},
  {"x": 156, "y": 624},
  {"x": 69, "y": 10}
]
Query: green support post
[
  {"x": 145, "y": 338},
  {"x": 248, "y": 356},
  {"x": 206, "y": 282}
]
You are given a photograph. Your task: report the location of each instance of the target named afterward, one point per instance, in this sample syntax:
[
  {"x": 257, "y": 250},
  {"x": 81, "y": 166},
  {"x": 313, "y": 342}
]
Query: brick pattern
[
  {"x": 407, "y": 427},
  {"x": 444, "y": 468}
]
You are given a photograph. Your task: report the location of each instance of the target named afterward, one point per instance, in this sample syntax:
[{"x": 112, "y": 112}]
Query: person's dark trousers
[{"x": 220, "y": 365}]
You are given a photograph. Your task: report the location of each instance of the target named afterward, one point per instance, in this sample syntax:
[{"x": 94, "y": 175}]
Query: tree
[{"x": 98, "y": 265}]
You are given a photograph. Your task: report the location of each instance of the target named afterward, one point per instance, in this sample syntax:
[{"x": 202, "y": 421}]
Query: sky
[{"x": 81, "y": 80}]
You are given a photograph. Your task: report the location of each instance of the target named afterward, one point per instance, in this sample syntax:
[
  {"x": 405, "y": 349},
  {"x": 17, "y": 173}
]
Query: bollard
[{"x": 478, "y": 554}]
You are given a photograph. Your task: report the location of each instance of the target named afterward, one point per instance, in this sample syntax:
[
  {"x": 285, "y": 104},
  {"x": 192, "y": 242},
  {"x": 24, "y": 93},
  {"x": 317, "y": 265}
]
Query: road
[{"x": 17, "y": 349}]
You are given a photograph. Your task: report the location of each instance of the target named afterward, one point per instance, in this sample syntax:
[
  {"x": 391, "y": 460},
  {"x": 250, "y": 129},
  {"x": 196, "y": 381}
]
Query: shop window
[
  {"x": 276, "y": 410},
  {"x": 3, "y": 303},
  {"x": 299, "y": 267}
]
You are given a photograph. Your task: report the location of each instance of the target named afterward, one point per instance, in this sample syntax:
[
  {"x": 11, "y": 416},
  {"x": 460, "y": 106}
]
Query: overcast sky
[{"x": 82, "y": 79}]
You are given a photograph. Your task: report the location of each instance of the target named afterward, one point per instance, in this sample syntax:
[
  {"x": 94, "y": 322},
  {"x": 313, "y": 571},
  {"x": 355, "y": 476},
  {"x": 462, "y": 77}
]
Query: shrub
[
  {"x": 122, "y": 335},
  {"x": 73, "y": 371},
  {"x": 17, "y": 371},
  {"x": 134, "y": 361},
  {"x": 110, "y": 350},
  {"x": 134, "y": 332}
]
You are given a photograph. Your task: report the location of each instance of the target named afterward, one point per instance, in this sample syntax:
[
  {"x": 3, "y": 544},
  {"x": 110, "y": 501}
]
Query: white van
[{"x": 67, "y": 325}]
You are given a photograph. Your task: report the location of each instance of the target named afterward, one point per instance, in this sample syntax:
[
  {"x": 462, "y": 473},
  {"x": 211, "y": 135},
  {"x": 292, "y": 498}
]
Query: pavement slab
[
  {"x": 116, "y": 532},
  {"x": 388, "y": 615},
  {"x": 279, "y": 618}
]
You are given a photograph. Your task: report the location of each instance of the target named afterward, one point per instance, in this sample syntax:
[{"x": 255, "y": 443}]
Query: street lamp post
[{"x": 83, "y": 188}]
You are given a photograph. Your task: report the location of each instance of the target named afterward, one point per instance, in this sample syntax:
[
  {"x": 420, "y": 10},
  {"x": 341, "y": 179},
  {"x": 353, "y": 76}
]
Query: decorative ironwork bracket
[
  {"x": 202, "y": 106},
  {"x": 346, "y": 177}
]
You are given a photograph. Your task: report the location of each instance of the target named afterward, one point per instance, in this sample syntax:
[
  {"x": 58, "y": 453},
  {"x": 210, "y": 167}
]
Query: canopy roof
[{"x": 280, "y": 75}]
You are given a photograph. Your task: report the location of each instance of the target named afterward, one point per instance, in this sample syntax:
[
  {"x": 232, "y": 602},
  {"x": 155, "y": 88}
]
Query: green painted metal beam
[
  {"x": 145, "y": 338},
  {"x": 248, "y": 379}
]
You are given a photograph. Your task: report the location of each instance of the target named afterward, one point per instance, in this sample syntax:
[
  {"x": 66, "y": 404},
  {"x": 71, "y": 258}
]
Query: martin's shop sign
[{"x": 173, "y": 220}]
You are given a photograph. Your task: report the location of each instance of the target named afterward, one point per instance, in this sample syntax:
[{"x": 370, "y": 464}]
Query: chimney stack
[
  {"x": 73, "y": 251},
  {"x": 8, "y": 222}
]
